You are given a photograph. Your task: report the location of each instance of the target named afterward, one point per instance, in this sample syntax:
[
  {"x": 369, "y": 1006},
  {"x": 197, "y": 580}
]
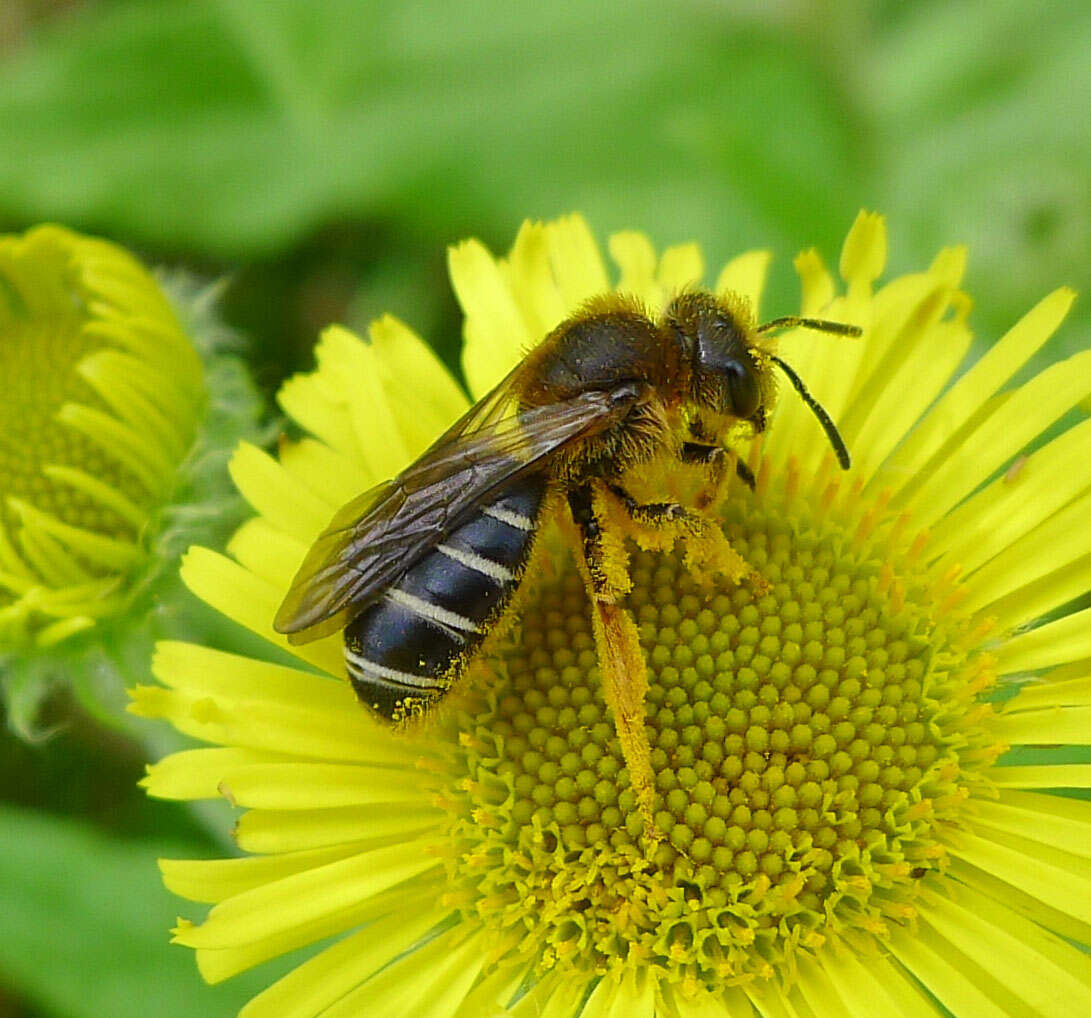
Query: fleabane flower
[
  {"x": 109, "y": 427},
  {"x": 852, "y": 821}
]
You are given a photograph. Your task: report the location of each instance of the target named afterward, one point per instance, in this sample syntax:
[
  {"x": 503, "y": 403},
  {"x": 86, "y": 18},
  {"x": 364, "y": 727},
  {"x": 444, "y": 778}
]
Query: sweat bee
[{"x": 418, "y": 570}]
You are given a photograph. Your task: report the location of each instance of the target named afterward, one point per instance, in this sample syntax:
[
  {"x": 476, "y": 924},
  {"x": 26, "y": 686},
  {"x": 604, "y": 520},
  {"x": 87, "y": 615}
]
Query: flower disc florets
[{"x": 807, "y": 740}]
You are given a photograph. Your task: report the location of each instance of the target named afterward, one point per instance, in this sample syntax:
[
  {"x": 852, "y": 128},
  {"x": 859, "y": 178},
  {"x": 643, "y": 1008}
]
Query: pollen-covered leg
[
  {"x": 604, "y": 568},
  {"x": 657, "y": 526}
]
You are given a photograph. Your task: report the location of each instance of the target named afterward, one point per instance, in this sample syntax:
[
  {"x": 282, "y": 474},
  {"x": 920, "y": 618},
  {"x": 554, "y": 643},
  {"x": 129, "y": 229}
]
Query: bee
[{"x": 420, "y": 569}]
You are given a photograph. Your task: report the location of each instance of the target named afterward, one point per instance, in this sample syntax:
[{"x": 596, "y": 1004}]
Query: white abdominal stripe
[
  {"x": 512, "y": 519},
  {"x": 479, "y": 563},
  {"x": 432, "y": 612},
  {"x": 361, "y": 668}
]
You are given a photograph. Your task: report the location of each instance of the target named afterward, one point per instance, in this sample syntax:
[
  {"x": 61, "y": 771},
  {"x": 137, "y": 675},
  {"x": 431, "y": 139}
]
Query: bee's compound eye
[{"x": 743, "y": 389}]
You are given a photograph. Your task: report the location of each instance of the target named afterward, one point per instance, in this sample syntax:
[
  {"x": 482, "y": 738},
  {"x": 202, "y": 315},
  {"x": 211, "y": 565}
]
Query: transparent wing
[{"x": 377, "y": 536}]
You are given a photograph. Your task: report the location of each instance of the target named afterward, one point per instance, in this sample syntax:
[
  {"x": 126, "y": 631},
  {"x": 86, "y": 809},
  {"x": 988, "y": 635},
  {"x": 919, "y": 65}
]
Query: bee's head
[{"x": 727, "y": 375}]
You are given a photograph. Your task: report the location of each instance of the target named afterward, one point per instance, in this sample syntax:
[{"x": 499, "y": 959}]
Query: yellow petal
[
  {"x": 252, "y": 602},
  {"x": 635, "y": 257},
  {"x": 296, "y": 830},
  {"x": 213, "y": 880},
  {"x": 1031, "y": 963},
  {"x": 1000, "y": 436},
  {"x": 1051, "y": 726},
  {"x": 1056, "y": 643},
  {"x": 968, "y": 395},
  {"x": 431, "y": 982},
  {"x": 863, "y": 256},
  {"x": 327, "y": 474},
  {"x": 304, "y": 897},
  {"x": 681, "y": 268},
  {"x": 531, "y": 279},
  {"x": 962, "y": 987},
  {"x": 311, "y": 987},
  {"x": 745, "y": 275},
  {"x": 577, "y": 263},
  {"x": 816, "y": 282},
  {"x": 295, "y": 785},
  {"x": 427, "y": 399},
  {"x": 495, "y": 331},
  {"x": 1013, "y": 505},
  {"x": 196, "y": 773},
  {"x": 276, "y": 495},
  {"x": 1059, "y": 821},
  {"x": 313, "y": 403},
  {"x": 266, "y": 552},
  {"x": 380, "y": 422},
  {"x": 1042, "y": 776},
  {"x": 1055, "y": 877}
]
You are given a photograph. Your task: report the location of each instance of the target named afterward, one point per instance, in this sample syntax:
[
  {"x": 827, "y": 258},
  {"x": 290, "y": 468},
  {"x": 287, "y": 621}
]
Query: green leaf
[
  {"x": 982, "y": 138},
  {"x": 237, "y": 126},
  {"x": 84, "y": 926}
]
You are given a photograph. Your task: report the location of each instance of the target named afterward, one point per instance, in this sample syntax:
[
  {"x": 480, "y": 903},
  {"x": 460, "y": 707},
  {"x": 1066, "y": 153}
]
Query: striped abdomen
[{"x": 410, "y": 642}]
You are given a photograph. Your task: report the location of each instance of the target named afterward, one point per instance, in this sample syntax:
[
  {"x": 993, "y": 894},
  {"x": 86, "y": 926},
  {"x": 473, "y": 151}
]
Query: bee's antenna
[
  {"x": 818, "y": 324},
  {"x": 824, "y": 418}
]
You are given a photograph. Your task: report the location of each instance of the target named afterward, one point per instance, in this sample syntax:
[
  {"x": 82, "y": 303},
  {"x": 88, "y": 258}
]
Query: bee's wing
[{"x": 377, "y": 536}]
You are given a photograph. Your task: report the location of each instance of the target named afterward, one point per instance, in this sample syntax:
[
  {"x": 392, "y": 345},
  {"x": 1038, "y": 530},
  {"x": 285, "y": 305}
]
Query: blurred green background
[{"x": 320, "y": 155}]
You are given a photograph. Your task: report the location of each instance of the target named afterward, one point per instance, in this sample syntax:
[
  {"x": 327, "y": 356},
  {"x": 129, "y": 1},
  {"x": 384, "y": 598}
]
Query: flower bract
[{"x": 107, "y": 429}]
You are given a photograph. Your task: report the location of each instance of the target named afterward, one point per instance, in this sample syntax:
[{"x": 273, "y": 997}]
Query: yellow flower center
[{"x": 812, "y": 739}]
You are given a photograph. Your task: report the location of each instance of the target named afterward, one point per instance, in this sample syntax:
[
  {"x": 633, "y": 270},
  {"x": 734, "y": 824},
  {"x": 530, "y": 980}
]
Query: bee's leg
[
  {"x": 715, "y": 457},
  {"x": 658, "y": 525},
  {"x": 621, "y": 658}
]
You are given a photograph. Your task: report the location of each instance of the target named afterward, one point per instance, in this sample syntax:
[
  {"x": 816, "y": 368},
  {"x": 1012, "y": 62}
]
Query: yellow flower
[
  {"x": 847, "y": 833},
  {"x": 105, "y": 428}
]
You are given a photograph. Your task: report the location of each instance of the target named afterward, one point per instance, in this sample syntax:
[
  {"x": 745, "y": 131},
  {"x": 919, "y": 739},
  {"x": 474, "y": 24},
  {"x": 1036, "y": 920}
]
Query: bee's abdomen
[{"x": 405, "y": 645}]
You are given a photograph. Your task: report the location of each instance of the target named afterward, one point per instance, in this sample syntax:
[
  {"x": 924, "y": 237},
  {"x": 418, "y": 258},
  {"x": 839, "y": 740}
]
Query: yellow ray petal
[
  {"x": 1056, "y": 643},
  {"x": 531, "y": 279},
  {"x": 1060, "y": 821},
  {"x": 681, "y": 267},
  {"x": 328, "y": 976},
  {"x": 214, "y": 880},
  {"x": 1058, "y": 541},
  {"x": 576, "y": 260},
  {"x": 295, "y": 830},
  {"x": 427, "y": 398},
  {"x": 967, "y": 396},
  {"x": 381, "y": 423},
  {"x": 1051, "y": 726},
  {"x": 961, "y": 986},
  {"x": 431, "y": 982},
  {"x": 266, "y": 552},
  {"x": 495, "y": 331},
  {"x": 1073, "y": 692},
  {"x": 1016, "y": 503},
  {"x": 1032, "y": 908},
  {"x": 196, "y": 773},
  {"x": 493, "y": 992},
  {"x": 276, "y": 495},
  {"x": 863, "y": 256},
  {"x": 304, "y": 897},
  {"x": 632, "y": 997},
  {"x": 296, "y": 785},
  {"x": 1042, "y": 776},
  {"x": 635, "y": 257},
  {"x": 1033, "y": 964},
  {"x": 1057, "y": 878},
  {"x": 327, "y": 474},
  {"x": 745, "y": 275},
  {"x": 1002, "y": 434},
  {"x": 316, "y": 406},
  {"x": 873, "y": 989},
  {"x": 252, "y": 602}
]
